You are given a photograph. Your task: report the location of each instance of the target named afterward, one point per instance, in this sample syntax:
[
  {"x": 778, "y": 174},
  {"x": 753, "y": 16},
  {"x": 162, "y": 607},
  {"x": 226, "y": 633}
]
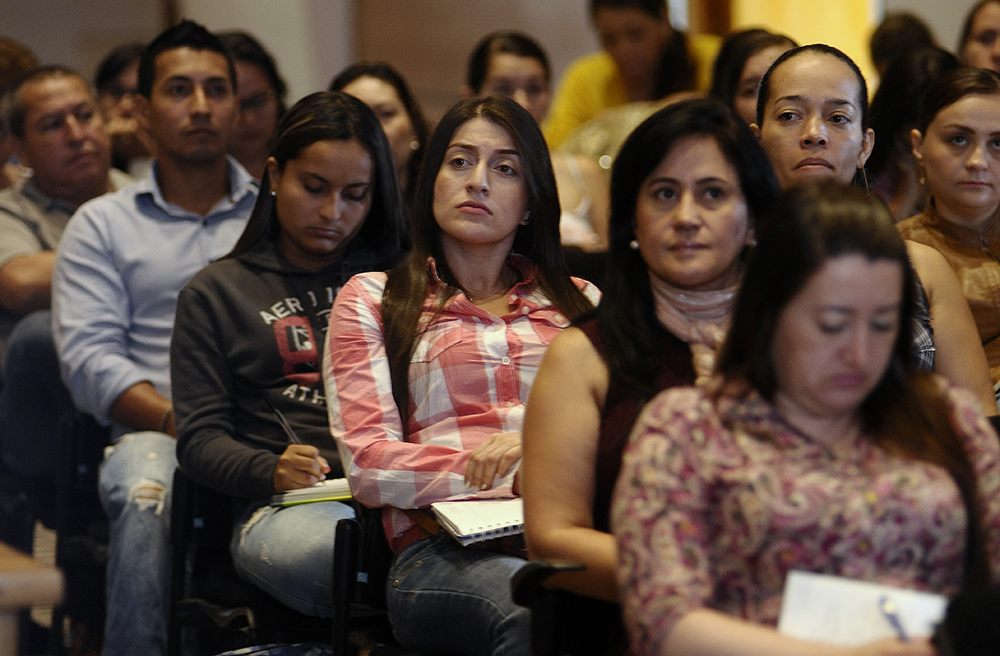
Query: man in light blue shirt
[{"x": 122, "y": 261}]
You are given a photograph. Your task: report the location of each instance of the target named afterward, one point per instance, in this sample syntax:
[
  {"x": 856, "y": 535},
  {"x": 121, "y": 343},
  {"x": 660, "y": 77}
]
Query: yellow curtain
[{"x": 845, "y": 24}]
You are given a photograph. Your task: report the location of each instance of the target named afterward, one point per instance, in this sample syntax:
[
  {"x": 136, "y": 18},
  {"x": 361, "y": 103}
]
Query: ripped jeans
[
  {"x": 135, "y": 481},
  {"x": 288, "y": 552}
]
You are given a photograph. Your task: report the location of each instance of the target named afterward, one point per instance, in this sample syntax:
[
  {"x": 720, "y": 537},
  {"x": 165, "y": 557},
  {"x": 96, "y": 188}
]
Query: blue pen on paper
[{"x": 891, "y": 613}]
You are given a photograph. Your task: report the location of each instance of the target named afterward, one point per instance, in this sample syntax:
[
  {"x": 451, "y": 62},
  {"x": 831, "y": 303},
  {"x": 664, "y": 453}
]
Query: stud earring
[
  {"x": 634, "y": 245},
  {"x": 274, "y": 193},
  {"x": 414, "y": 144}
]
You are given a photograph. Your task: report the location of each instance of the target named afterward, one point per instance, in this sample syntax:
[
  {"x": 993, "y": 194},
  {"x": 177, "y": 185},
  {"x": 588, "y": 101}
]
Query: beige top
[{"x": 975, "y": 257}]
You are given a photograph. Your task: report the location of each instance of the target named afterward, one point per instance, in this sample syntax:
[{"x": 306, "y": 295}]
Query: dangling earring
[{"x": 634, "y": 244}]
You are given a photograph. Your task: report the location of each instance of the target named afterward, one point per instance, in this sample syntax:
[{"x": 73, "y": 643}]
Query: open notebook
[{"x": 475, "y": 520}]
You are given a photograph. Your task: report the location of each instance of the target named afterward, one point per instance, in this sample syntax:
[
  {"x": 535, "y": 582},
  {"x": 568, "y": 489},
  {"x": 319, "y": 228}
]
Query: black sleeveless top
[
  {"x": 595, "y": 626},
  {"x": 621, "y": 409}
]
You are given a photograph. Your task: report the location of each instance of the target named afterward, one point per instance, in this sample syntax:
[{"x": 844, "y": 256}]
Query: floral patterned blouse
[{"x": 708, "y": 515}]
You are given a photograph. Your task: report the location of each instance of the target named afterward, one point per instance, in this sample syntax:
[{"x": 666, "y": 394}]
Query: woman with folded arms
[
  {"x": 428, "y": 370},
  {"x": 818, "y": 447},
  {"x": 247, "y": 338}
]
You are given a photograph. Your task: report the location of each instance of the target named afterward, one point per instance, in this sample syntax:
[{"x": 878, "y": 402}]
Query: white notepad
[
  {"x": 333, "y": 489},
  {"x": 847, "y": 612},
  {"x": 475, "y": 520}
]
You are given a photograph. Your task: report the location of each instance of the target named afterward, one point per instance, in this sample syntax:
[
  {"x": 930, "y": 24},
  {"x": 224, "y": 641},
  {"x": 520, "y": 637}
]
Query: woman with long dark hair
[
  {"x": 249, "y": 330},
  {"x": 819, "y": 447},
  {"x": 741, "y": 63},
  {"x": 428, "y": 369},
  {"x": 688, "y": 189},
  {"x": 382, "y": 88},
  {"x": 979, "y": 41}
]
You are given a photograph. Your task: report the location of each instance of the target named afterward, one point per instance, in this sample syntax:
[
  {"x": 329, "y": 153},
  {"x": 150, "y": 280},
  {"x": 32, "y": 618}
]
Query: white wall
[
  {"x": 944, "y": 16},
  {"x": 310, "y": 39},
  {"x": 78, "y": 33}
]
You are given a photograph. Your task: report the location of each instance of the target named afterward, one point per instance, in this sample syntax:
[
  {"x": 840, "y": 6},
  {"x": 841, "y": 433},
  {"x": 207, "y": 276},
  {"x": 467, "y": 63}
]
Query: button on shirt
[
  {"x": 469, "y": 378},
  {"x": 121, "y": 264}
]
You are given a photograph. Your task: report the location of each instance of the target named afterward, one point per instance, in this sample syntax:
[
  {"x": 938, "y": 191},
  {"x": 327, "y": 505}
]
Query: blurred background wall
[{"x": 427, "y": 40}]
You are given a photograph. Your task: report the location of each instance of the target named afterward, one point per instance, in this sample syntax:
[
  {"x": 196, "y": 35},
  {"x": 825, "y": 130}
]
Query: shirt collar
[
  {"x": 527, "y": 270},
  {"x": 526, "y": 293},
  {"x": 241, "y": 184},
  {"x": 46, "y": 203}
]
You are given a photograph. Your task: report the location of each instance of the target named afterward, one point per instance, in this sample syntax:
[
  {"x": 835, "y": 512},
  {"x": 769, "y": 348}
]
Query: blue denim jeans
[
  {"x": 288, "y": 552},
  {"x": 135, "y": 481},
  {"x": 448, "y": 598}
]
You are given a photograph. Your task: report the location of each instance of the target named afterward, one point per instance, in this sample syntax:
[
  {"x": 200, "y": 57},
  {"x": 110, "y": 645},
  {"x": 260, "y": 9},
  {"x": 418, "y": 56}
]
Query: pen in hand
[
  {"x": 891, "y": 613},
  {"x": 289, "y": 476},
  {"x": 292, "y": 437}
]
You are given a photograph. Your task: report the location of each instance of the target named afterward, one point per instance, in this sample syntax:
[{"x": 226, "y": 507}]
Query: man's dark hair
[
  {"x": 185, "y": 34},
  {"x": 114, "y": 63}
]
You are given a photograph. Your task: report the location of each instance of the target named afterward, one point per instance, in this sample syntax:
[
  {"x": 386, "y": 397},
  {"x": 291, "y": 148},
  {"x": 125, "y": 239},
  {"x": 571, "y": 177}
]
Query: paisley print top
[{"x": 719, "y": 498}]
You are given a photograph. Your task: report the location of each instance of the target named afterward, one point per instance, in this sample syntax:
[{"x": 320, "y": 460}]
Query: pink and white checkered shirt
[{"x": 470, "y": 376}]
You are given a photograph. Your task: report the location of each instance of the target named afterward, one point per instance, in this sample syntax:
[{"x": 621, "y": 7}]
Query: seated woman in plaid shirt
[{"x": 428, "y": 368}]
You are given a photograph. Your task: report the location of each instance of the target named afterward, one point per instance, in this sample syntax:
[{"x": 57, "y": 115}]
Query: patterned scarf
[{"x": 700, "y": 318}]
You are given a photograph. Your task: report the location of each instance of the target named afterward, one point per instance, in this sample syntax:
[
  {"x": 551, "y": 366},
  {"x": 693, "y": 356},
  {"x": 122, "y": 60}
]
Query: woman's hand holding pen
[{"x": 299, "y": 466}]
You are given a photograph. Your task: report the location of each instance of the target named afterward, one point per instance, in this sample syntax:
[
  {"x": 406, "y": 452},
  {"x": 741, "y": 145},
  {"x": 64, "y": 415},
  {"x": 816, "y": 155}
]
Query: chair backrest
[{"x": 80, "y": 523}]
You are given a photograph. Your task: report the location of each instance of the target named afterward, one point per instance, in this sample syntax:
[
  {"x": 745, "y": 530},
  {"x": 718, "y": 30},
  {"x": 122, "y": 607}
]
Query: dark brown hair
[
  {"x": 626, "y": 316},
  {"x": 407, "y": 285},
  {"x": 821, "y": 48},
  {"x": 389, "y": 75},
  {"x": 185, "y": 34},
  {"x": 970, "y": 17},
  {"x": 333, "y": 116},
  {"x": 736, "y": 49},
  {"x": 676, "y": 72},
  {"x": 952, "y": 87},
  {"x": 905, "y": 413}
]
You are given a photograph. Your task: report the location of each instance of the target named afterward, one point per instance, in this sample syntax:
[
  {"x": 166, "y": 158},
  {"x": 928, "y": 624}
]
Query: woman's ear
[
  {"x": 917, "y": 142},
  {"x": 273, "y": 173},
  {"x": 867, "y": 143}
]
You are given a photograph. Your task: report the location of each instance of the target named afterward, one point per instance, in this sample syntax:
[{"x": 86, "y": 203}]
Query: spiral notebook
[{"x": 475, "y": 520}]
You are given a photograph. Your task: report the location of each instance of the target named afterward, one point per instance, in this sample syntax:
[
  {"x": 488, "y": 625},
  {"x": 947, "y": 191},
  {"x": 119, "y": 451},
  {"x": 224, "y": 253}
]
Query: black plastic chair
[
  {"x": 82, "y": 531},
  {"x": 564, "y": 623},
  {"x": 223, "y": 611}
]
